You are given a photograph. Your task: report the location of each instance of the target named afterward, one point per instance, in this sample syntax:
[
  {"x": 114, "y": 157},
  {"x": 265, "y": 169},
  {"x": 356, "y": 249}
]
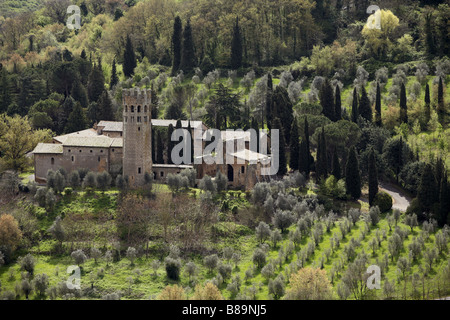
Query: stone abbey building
[{"x": 126, "y": 148}]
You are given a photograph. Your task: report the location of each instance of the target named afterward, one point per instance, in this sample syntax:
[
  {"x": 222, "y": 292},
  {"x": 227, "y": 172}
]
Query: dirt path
[{"x": 400, "y": 200}]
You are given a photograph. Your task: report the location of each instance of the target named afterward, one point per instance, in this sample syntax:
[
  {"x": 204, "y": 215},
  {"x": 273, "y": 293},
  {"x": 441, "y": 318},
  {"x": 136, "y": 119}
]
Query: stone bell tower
[{"x": 137, "y": 135}]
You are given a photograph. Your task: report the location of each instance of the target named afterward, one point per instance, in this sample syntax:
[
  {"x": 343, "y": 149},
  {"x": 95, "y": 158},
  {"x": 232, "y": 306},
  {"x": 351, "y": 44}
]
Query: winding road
[{"x": 400, "y": 200}]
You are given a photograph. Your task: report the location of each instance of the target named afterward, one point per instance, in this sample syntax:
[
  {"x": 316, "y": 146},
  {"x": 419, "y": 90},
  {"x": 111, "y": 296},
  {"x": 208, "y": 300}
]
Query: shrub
[
  {"x": 173, "y": 267},
  {"x": 383, "y": 201}
]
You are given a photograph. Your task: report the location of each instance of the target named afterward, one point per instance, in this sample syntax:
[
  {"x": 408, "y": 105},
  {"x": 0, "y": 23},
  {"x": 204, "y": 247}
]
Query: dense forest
[{"x": 356, "y": 106}]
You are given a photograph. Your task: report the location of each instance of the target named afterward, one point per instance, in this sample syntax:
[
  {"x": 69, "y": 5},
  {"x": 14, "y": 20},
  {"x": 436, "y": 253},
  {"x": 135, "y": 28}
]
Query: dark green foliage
[
  {"x": 294, "y": 147},
  {"x": 337, "y": 104},
  {"x": 353, "y": 178},
  {"x": 282, "y": 154},
  {"x": 236, "y": 47},
  {"x": 307, "y": 149},
  {"x": 426, "y": 193},
  {"x": 427, "y": 107},
  {"x": 397, "y": 154},
  {"x": 403, "y": 105},
  {"x": 440, "y": 109},
  {"x": 222, "y": 110},
  {"x": 322, "y": 159},
  {"x": 283, "y": 109},
  {"x": 336, "y": 169},
  {"x": 373, "y": 177},
  {"x": 76, "y": 120},
  {"x": 378, "y": 106},
  {"x": 269, "y": 101},
  {"x": 114, "y": 78},
  {"x": 188, "y": 60},
  {"x": 96, "y": 84},
  {"x": 79, "y": 93},
  {"x": 129, "y": 58},
  {"x": 365, "y": 110},
  {"x": 176, "y": 45},
  {"x": 355, "y": 112},
  {"x": 327, "y": 100},
  {"x": 383, "y": 201},
  {"x": 105, "y": 107},
  {"x": 444, "y": 201}
]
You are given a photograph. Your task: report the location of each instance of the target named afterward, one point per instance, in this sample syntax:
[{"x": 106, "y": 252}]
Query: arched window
[
  {"x": 145, "y": 108},
  {"x": 53, "y": 161},
  {"x": 139, "y": 109},
  {"x": 132, "y": 108},
  {"x": 126, "y": 108}
]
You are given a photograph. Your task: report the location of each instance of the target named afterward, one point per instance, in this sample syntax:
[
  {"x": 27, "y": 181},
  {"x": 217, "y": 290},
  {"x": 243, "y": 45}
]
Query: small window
[
  {"x": 112, "y": 150},
  {"x": 139, "y": 109},
  {"x": 98, "y": 159},
  {"x": 90, "y": 151},
  {"x": 242, "y": 169},
  {"x": 80, "y": 150},
  {"x": 125, "y": 119},
  {"x": 73, "y": 159},
  {"x": 126, "y": 108},
  {"x": 101, "y": 151},
  {"x": 139, "y": 170},
  {"x": 145, "y": 108},
  {"x": 138, "y": 119},
  {"x": 162, "y": 173},
  {"x": 53, "y": 161},
  {"x": 69, "y": 150},
  {"x": 132, "y": 108},
  {"x": 139, "y": 128},
  {"x": 145, "y": 119}
]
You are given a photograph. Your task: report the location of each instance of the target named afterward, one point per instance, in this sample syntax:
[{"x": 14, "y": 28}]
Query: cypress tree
[
  {"x": 187, "y": 63},
  {"x": 365, "y": 110},
  {"x": 309, "y": 157},
  {"x": 160, "y": 148},
  {"x": 355, "y": 112},
  {"x": 322, "y": 161},
  {"x": 403, "y": 105},
  {"x": 236, "y": 47},
  {"x": 294, "y": 147},
  {"x": 373, "y": 177},
  {"x": 337, "y": 104},
  {"x": 269, "y": 101},
  {"x": 303, "y": 165},
  {"x": 283, "y": 109},
  {"x": 444, "y": 201},
  {"x": 439, "y": 171},
  {"x": 282, "y": 154},
  {"x": 96, "y": 84},
  {"x": 114, "y": 78},
  {"x": 76, "y": 120},
  {"x": 427, "y": 104},
  {"x": 431, "y": 47},
  {"x": 176, "y": 45},
  {"x": 79, "y": 93},
  {"x": 105, "y": 107},
  {"x": 327, "y": 100},
  {"x": 170, "y": 143},
  {"x": 440, "y": 104},
  {"x": 426, "y": 192},
  {"x": 336, "y": 170},
  {"x": 378, "y": 106},
  {"x": 129, "y": 58},
  {"x": 353, "y": 177}
]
